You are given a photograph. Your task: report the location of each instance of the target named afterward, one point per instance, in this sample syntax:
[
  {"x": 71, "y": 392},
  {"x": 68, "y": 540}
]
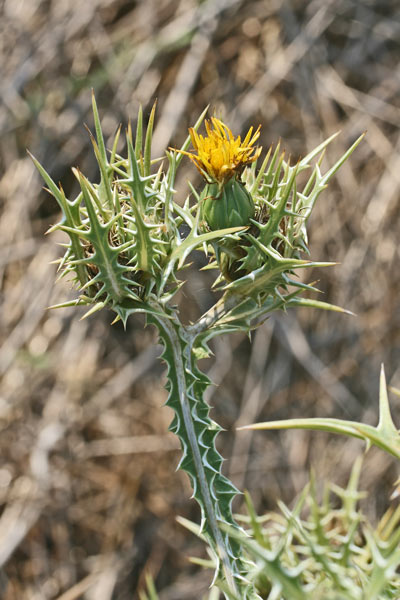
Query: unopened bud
[{"x": 229, "y": 205}]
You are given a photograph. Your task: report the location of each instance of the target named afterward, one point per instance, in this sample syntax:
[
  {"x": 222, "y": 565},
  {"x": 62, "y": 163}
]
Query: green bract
[{"x": 229, "y": 205}]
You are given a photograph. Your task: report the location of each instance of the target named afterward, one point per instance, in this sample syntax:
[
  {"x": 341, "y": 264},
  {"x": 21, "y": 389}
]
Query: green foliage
[
  {"x": 261, "y": 261},
  {"x": 324, "y": 549},
  {"x": 384, "y": 435},
  {"x": 129, "y": 242}
]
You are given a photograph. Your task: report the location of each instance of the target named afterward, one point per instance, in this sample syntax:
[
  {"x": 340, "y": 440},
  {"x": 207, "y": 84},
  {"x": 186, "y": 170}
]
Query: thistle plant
[
  {"x": 130, "y": 240},
  {"x": 323, "y": 548}
]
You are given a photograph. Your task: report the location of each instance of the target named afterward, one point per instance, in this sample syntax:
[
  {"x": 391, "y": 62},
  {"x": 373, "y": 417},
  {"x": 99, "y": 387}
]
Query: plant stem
[
  {"x": 197, "y": 433},
  {"x": 194, "y": 443}
]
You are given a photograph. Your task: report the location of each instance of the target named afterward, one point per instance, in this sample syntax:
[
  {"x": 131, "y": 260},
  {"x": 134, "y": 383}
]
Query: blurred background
[{"x": 88, "y": 488}]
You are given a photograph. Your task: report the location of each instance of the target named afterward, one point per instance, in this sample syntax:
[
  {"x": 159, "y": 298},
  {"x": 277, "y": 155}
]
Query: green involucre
[{"x": 230, "y": 205}]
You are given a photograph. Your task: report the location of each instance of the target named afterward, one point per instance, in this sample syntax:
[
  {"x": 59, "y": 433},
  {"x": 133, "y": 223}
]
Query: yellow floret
[{"x": 220, "y": 155}]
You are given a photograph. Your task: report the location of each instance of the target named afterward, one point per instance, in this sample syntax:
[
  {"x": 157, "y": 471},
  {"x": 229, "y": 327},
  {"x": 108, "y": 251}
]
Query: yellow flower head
[{"x": 219, "y": 155}]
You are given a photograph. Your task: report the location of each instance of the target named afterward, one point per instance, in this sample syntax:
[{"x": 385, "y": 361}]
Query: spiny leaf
[
  {"x": 311, "y": 155},
  {"x": 99, "y": 132},
  {"x": 146, "y": 249},
  {"x": 139, "y": 134},
  {"x": 342, "y": 159},
  {"x": 384, "y": 436},
  {"x": 69, "y": 220},
  {"x": 112, "y": 279},
  {"x": 104, "y": 187},
  {"x": 385, "y": 425},
  {"x": 310, "y": 303},
  {"x": 289, "y": 583},
  {"x": 147, "y": 143}
]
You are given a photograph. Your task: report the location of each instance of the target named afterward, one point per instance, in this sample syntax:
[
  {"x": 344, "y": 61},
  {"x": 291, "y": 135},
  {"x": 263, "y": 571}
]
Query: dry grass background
[{"x": 88, "y": 489}]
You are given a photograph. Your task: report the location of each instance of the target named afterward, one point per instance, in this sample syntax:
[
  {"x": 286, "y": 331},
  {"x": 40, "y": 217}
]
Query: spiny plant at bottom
[{"x": 323, "y": 548}]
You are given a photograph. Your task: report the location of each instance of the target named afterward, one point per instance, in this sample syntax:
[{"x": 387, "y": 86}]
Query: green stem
[
  {"x": 200, "y": 458},
  {"x": 167, "y": 328}
]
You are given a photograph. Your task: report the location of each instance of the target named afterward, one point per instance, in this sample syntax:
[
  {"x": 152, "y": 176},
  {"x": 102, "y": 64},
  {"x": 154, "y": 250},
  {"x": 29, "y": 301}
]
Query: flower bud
[{"x": 229, "y": 205}]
